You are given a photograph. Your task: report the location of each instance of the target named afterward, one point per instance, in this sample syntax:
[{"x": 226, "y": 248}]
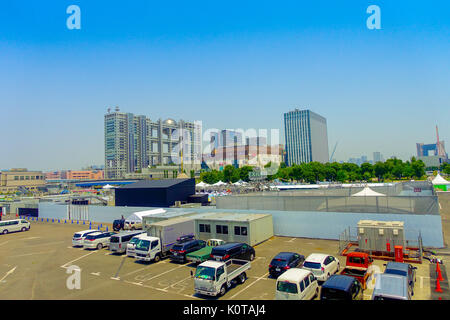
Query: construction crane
[{"x": 334, "y": 150}]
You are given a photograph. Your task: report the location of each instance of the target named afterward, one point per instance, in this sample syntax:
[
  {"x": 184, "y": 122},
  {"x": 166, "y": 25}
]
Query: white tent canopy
[
  {"x": 220, "y": 183},
  {"x": 438, "y": 180},
  {"x": 202, "y": 184},
  {"x": 368, "y": 192},
  {"x": 137, "y": 216},
  {"x": 108, "y": 186}
]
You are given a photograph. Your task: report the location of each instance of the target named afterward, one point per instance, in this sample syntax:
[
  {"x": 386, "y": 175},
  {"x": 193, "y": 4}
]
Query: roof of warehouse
[
  {"x": 227, "y": 216},
  {"x": 163, "y": 183}
]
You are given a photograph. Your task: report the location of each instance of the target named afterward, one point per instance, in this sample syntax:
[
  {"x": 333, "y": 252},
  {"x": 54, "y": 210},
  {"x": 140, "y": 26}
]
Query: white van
[
  {"x": 14, "y": 225},
  {"x": 296, "y": 284}
]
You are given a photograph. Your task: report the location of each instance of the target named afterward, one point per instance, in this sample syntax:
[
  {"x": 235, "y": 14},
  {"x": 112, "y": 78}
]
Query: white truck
[
  {"x": 213, "y": 278},
  {"x": 161, "y": 236}
]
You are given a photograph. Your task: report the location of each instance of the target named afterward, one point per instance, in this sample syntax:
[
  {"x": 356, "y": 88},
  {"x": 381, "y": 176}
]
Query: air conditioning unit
[
  {"x": 361, "y": 230},
  {"x": 381, "y": 232},
  {"x": 395, "y": 232}
]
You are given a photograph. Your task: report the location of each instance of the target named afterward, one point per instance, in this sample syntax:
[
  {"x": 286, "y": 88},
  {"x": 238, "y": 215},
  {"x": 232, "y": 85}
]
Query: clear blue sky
[{"x": 231, "y": 64}]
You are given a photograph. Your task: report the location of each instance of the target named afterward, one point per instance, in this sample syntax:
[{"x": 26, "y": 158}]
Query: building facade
[
  {"x": 136, "y": 142},
  {"x": 21, "y": 179},
  {"x": 306, "y": 137},
  {"x": 84, "y": 175}
]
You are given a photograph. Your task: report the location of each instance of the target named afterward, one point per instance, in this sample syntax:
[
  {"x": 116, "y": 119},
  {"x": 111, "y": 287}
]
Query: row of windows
[
  {"x": 29, "y": 178},
  {"x": 222, "y": 229}
]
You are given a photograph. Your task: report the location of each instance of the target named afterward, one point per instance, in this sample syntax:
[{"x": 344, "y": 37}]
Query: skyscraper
[
  {"x": 306, "y": 137},
  {"x": 135, "y": 142}
]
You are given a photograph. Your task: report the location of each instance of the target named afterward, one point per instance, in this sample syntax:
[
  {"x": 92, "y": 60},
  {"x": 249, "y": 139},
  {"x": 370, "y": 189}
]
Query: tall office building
[
  {"x": 135, "y": 142},
  {"x": 377, "y": 157},
  {"x": 306, "y": 137}
]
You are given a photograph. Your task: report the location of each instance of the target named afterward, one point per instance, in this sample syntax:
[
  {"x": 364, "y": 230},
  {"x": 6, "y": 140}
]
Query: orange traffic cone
[
  {"x": 438, "y": 286},
  {"x": 439, "y": 274}
]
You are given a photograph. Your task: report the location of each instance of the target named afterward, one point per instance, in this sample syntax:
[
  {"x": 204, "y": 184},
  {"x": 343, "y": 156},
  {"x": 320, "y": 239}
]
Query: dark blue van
[{"x": 340, "y": 287}]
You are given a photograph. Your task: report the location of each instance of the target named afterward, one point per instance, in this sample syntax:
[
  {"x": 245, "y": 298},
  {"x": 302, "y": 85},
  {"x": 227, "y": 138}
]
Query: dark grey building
[{"x": 155, "y": 193}]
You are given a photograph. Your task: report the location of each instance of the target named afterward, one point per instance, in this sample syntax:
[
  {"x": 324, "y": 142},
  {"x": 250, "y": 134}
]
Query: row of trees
[
  {"x": 343, "y": 172},
  {"x": 313, "y": 172}
]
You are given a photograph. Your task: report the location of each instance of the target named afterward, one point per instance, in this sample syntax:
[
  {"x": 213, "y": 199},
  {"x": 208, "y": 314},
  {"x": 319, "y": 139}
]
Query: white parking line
[
  {"x": 177, "y": 283},
  {"x": 262, "y": 277},
  {"x": 160, "y": 274},
  {"x": 70, "y": 262},
  {"x": 30, "y": 254}
]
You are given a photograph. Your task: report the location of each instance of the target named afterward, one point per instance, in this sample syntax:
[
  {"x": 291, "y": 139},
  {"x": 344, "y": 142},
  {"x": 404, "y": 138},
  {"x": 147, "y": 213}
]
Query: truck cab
[
  {"x": 148, "y": 249},
  {"x": 357, "y": 266}
]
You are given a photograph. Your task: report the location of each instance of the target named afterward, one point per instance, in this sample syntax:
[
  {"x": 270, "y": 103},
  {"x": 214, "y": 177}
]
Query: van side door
[{"x": 220, "y": 277}]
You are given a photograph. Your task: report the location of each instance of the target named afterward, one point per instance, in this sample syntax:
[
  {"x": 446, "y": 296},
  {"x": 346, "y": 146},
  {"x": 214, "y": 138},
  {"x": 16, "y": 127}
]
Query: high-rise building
[
  {"x": 377, "y": 157},
  {"x": 134, "y": 142},
  {"x": 306, "y": 137}
]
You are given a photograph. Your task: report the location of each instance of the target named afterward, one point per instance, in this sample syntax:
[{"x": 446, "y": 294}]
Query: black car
[
  {"x": 118, "y": 224},
  {"x": 233, "y": 251},
  {"x": 180, "y": 250},
  {"x": 340, "y": 287},
  {"x": 284, "y": 261}
]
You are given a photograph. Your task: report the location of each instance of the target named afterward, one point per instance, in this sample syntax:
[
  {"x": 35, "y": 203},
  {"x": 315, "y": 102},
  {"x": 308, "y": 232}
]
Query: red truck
[{"x": 357, "y": 266}]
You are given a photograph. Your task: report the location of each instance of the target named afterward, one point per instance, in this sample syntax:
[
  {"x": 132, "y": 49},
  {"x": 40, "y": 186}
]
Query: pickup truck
[
  {"x": 202, "y": 255},
  {"x": 357, "y": 266},
  {"x": 213, "y": 278}
]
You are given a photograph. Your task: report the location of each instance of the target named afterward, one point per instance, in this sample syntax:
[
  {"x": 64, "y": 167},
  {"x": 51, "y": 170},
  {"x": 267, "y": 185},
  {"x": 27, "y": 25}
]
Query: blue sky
[{"x": 231, "y": 64}]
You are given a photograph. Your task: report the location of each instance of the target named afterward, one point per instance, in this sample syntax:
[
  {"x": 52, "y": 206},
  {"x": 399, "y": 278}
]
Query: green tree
[
  {"x": 379, "y": 169},
  {"x": 342, "y": 176}
]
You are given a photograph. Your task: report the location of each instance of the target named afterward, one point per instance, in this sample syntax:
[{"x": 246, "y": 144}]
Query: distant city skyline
[{"x": 383, "y": 90}]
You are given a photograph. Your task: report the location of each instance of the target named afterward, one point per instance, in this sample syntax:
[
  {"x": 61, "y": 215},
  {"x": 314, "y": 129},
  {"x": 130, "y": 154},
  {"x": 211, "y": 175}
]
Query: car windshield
[
  {"x": 395, "y": 271},
  {"x": 278, "y": 263},
  {"x": 287, "y": 287},
  {"x": 134, "y": 240},
  {"x": 177, "y": 247},
  {"x": 311, "y": 265},
  {"x": 114, "y": 240},
  {"x": 77, "y": 235},
  {"x": 206, "y": 273},
  {"x": 143, "y": 245}
]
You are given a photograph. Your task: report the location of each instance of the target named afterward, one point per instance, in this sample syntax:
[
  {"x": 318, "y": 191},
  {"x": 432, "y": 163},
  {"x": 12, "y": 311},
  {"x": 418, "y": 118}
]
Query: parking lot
[{"x": 34, "y": 265}]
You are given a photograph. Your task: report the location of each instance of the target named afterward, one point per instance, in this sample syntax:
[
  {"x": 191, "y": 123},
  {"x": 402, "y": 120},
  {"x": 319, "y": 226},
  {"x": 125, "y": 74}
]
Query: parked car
[
  {"x": 233, "y": 250},
  {"x": 132, "y": 225},
  {"x": 403, "y": 269},
  {"x": 78, "y": 237},
  {"x": 119, "y": 224},
  {"x": 180, "y": 250},
  {"x": 14, "y": 226},
  {"x": 284, "y": 261},
  {"x": 391, "y": 287},
  {"x": 321, "y": 265},
  {"x": 97, "y": 240},
  {"x": 131, "y": 245},
  {"x": 339, "y": 287},
  {"x": 118, "y": 242},
  {"x": 296, "y": 284}
]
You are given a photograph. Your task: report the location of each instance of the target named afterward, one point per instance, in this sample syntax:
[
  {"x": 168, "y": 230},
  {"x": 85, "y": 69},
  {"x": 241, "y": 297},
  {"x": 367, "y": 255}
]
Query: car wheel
[
  {"x": 157, "y": 258},
  {"x": 223, "y": 290},
  {"x": 242, "y": 278},
  {"x": 252, "y": 257},
  {"x": 99, "y": 246},
  {"x": 317, "y": 293},
  {"x": 5, "y": 231},
  {"x": 328, "y": 275},
  {"x": 24, "y": 229}
]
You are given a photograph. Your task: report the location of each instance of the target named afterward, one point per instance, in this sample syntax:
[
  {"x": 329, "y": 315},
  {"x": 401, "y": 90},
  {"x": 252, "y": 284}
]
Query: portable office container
[
  {"x": 380, "y": 236},
  {"x": 235, "y": 227}
]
